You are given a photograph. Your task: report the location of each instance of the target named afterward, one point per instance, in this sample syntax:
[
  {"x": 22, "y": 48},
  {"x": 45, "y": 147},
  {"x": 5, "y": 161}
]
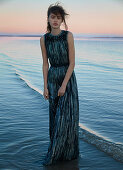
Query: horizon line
[{"x": 38, "y": 35}]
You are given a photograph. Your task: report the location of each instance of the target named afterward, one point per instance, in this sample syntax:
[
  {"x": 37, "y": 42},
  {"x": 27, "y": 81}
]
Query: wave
[
  {"x": 21, "y": 76},
  {"x": 114, "y": 150},
  {"x": 28, "y": 83},
  {"x": 117, "y": 69}
]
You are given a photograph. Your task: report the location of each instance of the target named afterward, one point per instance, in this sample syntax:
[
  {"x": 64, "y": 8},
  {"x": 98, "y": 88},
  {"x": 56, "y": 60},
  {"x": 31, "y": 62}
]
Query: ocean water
[{"x": 24, "y": 117}]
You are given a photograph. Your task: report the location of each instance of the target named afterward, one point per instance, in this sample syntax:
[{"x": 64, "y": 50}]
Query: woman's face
[{"x": 55, "y": 20}]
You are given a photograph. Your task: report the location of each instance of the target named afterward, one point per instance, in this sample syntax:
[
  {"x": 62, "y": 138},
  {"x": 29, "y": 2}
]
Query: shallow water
[{"x": 24, "y": 112}]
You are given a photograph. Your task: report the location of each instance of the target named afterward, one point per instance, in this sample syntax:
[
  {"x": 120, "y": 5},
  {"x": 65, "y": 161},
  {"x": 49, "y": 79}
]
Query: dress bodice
[{"x": 57, "y": 48}]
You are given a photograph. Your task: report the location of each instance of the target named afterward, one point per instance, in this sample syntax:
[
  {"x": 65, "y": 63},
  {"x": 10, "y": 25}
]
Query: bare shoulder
[
  {"x": 70, "y": 36},
  {"x": 42, "y": 39}
]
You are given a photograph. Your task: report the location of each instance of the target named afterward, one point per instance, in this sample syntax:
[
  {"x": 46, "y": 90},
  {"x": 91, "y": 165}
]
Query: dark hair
[{"x": 56, "y": 9}]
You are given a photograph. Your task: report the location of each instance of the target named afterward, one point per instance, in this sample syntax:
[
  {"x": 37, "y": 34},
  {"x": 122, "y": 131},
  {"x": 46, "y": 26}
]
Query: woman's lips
[{"x": 55, "y": 24}]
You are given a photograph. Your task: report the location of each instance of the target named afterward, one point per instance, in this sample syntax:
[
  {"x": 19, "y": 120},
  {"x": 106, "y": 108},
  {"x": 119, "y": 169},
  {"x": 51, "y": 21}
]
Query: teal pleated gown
[{"x": 63, "y": 110}]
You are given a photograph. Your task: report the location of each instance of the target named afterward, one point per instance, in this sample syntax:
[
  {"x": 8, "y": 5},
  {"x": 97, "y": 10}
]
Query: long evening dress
[{"x": 63, "y": 110}]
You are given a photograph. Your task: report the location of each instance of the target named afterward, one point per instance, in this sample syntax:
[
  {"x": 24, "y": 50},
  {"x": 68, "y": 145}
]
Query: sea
[{"x": 24, "y": 113}]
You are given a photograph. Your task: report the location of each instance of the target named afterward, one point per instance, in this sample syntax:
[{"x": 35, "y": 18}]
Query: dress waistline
[{"x": 59, "y": 65}]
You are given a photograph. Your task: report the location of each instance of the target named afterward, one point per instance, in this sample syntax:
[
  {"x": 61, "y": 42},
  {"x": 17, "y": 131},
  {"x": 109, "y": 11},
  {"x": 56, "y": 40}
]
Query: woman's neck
[{"x": 55, "y": 31}]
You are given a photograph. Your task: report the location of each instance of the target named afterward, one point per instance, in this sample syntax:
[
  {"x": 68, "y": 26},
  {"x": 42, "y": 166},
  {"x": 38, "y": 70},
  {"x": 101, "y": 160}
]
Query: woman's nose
[{"x": 56, "y": 19}]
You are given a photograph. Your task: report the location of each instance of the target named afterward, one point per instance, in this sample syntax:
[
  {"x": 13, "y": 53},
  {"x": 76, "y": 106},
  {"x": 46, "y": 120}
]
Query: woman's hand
[
  {"x": 46, "y": 94},
  {"x": 61, "y": 90}
]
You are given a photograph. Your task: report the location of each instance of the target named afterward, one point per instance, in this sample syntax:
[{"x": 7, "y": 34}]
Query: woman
[{"x": 60, "y": 88}]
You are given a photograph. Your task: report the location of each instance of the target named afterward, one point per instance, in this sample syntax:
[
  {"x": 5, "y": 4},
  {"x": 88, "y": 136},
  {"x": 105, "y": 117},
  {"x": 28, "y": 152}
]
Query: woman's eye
[{"x": 55, "y": 16}]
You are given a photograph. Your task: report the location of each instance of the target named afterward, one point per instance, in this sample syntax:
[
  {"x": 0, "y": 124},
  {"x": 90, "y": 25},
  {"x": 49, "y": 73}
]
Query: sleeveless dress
[{"x": 63, "y": 110}]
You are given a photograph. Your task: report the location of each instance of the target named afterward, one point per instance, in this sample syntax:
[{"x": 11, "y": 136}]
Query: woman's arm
[
  {"x": 71, "y": 49},
  {"x": 45, "y": 66},
  {"x": 70, "y": 69}
]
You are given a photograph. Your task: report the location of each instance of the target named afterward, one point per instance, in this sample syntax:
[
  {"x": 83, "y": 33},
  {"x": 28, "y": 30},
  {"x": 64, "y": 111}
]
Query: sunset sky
[{"x": 86, "y": 16}]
